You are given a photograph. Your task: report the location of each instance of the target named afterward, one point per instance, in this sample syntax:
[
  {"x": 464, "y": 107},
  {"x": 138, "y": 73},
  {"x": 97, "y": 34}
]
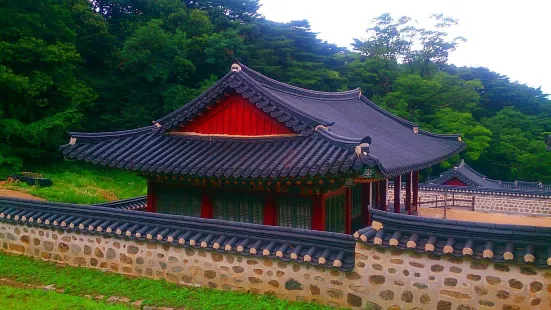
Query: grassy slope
[
  {"x": 82, "y": 281},
  {"x": 24, "y": 299},
  {"x": 85, "y": 184}
]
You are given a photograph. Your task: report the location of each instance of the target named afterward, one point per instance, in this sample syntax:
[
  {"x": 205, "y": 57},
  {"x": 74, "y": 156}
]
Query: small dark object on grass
[{"x": 33, "y": 179}]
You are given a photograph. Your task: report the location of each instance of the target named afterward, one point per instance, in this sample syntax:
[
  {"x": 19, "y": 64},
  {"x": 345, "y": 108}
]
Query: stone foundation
[
  {"x": 382, "y": 278},
  {"x": 489, "y": 202}
]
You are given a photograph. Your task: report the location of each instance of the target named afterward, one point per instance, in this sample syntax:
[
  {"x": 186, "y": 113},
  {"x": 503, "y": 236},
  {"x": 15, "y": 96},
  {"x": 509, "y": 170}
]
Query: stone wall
[
  {"x": 382, "y": 278},
  {"x": 489, "y": 202}
]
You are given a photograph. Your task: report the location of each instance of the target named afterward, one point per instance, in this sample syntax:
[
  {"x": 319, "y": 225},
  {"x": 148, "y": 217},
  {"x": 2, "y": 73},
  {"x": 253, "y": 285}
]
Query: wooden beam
[
  {"x": 408, "y": 193},
  {"x": 366, "y": 201},
  {"x": 397, "y": 188},
  {"x": 151, "y": 196},
  {"x": 348, "y": 210},
  {"x": 415, "y": 191}
]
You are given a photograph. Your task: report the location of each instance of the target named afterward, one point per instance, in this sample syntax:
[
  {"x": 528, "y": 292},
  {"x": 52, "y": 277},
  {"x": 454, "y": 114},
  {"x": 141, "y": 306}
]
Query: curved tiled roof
[
  {"x": 498, "y": 242},
  {"x": 136, "y": 204},
  {"x": 329, "y": 127},
  {"x": 327, "y": 249},
  {"x": 218, "y": 157},
  {"x": 473, "y": 178}
]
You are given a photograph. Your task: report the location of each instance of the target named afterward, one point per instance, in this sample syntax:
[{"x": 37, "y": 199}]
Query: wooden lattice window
[
  {"x": 356, "y": 200},
  {"x": 294, "y": 212},
  {"x": 247, "y": 208},
  {"x": 334, "y": 213},
  {"x": 179, "y": 201}
]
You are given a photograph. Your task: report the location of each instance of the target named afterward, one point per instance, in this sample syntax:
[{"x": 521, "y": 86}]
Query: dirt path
[
  {"x": 497, "y": 218},
  {"x": 4, "y": 192}
]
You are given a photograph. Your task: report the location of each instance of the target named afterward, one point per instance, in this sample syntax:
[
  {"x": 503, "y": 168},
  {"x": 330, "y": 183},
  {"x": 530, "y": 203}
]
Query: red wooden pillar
[
  {"x": 318, "y": 212},
  {"x": 383, "y": 187},
  {"x": 366, "y": 201},
  {"x": 151, "y": 196},
  {"x": 270, "y": 211},
  {"x": 415, "y": 191},
  {"x": 207, "y": 209},
  {"x": 348, "y": 210},
  {"x": 408, "y": 192},
  {"x": 397, "y": 188}
]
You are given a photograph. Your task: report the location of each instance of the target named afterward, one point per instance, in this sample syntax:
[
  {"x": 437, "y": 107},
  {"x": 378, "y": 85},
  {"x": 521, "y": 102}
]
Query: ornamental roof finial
[{"x": 235, "y": 67}]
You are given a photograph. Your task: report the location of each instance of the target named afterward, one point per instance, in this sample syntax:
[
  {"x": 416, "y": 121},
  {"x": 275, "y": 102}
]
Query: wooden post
[
  {"x": 377, "y": 195},
  {"x": 207, "y": 209},
  {"x": 366, "y": 201},
  {"x": 408, "y": 192},
  {"x": 397, "y": 188},
  {"x": 473, "y": 202},
  {"x": 348, "y": 210},
  {"x": 270, "y": 212},
  {"x": 318, "y": 212},
  {"x": 151, "y": 196},
  {"x": 383, "y": 184},
  {"x": 415, "y": 191},
  {"x": 445, "y": 203}
]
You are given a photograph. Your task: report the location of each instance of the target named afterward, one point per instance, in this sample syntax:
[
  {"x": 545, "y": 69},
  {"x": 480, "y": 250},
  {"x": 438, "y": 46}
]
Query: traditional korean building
[
  {"x": 463, "y": 175},
  {"x": 252, "y": 149}
]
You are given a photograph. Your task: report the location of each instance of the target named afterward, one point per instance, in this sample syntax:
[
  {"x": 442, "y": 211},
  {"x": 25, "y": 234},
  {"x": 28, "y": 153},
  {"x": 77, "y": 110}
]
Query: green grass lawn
[
  {"x": 84, "y": 184},
  {"x": 25, "y": 299},
  {"x": 81, "y": 281}
]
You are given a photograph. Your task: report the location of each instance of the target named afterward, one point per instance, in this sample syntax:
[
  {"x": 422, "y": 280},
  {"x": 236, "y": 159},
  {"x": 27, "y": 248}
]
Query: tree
[
  {"x": 41, "y": 91},
  {"x": 416, "y": 94}
]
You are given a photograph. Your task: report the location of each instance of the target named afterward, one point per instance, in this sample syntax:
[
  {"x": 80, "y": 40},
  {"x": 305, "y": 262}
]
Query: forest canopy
[{"x": 102, "y": 65}]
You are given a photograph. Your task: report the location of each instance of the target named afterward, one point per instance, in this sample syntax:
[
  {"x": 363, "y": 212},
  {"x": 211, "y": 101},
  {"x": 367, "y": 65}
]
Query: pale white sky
[{"x": 510, "y": 37}]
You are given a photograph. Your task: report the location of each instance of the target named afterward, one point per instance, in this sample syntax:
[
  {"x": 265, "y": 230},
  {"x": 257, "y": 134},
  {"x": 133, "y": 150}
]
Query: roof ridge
[
  {"x": 113, "y": 134},
  {"x": 171, "y": 115},
  {"x": 387, "y": 113},
  {"x": 282, "y": 102},
  {"x": 440, "y": 135},
  {"x": 457, "y": 225},
  {"x": 272, "y": 83},
  {"x": 468, "y": 167}
]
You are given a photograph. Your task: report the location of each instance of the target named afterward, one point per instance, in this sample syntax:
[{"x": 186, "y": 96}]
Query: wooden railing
[{"x": 449, "y": 201}]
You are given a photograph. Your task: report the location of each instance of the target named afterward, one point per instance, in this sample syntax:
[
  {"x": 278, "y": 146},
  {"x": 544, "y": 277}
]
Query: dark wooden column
[
  {"x": 318, "y": 212},
  {"x": 207, "y": 209},
  {"x": 151, "y": 196},
  {"x": 270, "y": 210},
  {"x": 376, "y": 194},
  {"x": 415, "y": 191},
  {"x": 382, "y": 194},
  {"x": 348, "y": 210},
  {"x": 397, "y": 188},
  {"x": 366, "y": 200},
  {"x": 408, "y": 193}
]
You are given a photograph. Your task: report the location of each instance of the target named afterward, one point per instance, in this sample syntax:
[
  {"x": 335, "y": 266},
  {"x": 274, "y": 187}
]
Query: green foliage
[
  {"x": 41, "y": 92},
  {"x": 81, "y": 281},
  {"x": 106, "y": 65},
  {"x": 476, "y": 136},
  {"x": 24, "y": 299},
  {"x": 85, "y": 184}
]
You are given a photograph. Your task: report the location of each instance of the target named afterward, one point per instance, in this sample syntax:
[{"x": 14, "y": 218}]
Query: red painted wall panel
[
  {"x": 151, "y": 197},
  {"x": 455, "y": 182},
  {"x": 235, "y": 115}
]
